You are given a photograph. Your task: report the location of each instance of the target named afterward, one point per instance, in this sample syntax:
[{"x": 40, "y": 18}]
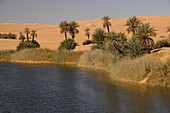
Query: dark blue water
[{"x": 26, "y": 88}]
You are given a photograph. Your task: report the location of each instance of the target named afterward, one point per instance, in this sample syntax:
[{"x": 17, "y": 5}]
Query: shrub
[
  {"x": 27, "y": 45},
  {"x": 97, "y": 46},
  {"x": 162, "y": 43},
  {"x": 87, "y": 42},
  {"x": 133, "y": 49},
  {"x": 68, "y": 44}
]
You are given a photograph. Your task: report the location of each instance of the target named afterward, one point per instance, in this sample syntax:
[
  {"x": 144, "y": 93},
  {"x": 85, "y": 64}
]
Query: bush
[
  {"x": 133, "y": 49},
  {"x": 87, "y": 42},
  {"x": 68, "y": 44},
  {"x": 97, "y": 46},
  {"x": 162, "y": 43},
  {"x": 27, "y": 45}
]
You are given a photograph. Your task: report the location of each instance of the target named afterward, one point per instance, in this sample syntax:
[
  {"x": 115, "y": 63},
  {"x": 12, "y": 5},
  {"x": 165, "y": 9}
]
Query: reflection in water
[{"x": 61, "y": 89}]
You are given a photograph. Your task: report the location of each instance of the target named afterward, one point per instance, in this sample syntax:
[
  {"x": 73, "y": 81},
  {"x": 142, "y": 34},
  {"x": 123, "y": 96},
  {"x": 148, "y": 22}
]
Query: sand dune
[{"x": 49, "y": 35}]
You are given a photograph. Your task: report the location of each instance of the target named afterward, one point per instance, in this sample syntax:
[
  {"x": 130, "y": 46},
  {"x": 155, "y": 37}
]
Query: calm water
[{"x": 60, "y": 89}]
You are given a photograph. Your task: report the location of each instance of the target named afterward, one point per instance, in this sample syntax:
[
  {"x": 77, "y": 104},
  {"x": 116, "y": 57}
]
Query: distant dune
[{"x": 49, "y": 35}]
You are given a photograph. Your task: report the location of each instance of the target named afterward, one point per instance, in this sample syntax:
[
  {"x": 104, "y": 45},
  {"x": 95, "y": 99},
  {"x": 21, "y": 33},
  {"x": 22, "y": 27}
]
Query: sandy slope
[{"x": 49, "y": 35}]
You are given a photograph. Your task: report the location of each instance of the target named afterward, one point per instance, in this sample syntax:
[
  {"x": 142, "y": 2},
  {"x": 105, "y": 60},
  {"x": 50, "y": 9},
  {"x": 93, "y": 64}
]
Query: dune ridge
[{"x": 49, "y": 36}]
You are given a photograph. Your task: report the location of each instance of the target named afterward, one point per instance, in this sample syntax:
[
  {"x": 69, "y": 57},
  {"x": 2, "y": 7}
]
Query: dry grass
[
  {"x": 96, "y": 59},
  {"x": 5, "y": 54},
  {"x": 46, "y": 55},
  {"x": 140, "y": 68}
]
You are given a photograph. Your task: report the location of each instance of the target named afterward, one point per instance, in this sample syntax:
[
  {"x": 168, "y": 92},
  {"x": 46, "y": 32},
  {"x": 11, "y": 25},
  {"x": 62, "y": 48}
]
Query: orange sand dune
[{"x": 49, "y": 35}]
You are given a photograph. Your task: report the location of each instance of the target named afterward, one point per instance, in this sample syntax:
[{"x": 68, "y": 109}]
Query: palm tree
[
  {"x": 144, "y": 34},
  {"x": 64, "y": 26},
  {"x": 114, "y": 41},
  {"x": 87, "y": 32},
  {"x": 33, "y": 34},
  {"x": 98, "y": 36},
  {"x": 73, "y": 28},
  {"x": 27, "y": 32},
  {"x": 21, "y": 37},
  {"x": 133, "y": 23},
  {"x": 106, "y": 23}
]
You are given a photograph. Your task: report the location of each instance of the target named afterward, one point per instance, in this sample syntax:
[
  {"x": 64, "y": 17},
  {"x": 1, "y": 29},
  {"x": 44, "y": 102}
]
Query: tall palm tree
[
  {"x": 144, "y": 34},
  {"x": 87, "y": 32},
  {"x": 73, "y": 28},
  {"x": 98, "y": 36},
  {"x": 27, "y": 32},
  {"x": 106, "y": 23},
  {"x": 114, "y": 41},
  {"x": 133, "y": 23},
  {"x": 64, "y": 26},
  {"x": 33, "y": 34}
]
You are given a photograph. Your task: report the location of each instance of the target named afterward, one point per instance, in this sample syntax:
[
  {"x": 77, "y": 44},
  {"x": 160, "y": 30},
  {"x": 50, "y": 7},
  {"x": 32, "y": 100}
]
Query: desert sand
[{"x": 49, "y": 36}]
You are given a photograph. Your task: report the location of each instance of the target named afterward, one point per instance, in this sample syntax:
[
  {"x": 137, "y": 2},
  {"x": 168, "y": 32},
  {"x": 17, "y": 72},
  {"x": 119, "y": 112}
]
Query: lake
[{"x": 30, "y": 88}]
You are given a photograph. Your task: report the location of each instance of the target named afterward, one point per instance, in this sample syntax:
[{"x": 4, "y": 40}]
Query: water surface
[{"x": 26, "y": 88}]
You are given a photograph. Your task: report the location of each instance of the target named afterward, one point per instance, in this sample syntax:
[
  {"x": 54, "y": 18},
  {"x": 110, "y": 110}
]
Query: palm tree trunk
[
  {"x": 108, "y": 29},
  {"x": 88, "y": 37},
  {"x": 32, "y": 38},
  {"x": 65, "y": 35},
  {"x": 73, "y": 36},
  {"x": 27, "y": 37}
]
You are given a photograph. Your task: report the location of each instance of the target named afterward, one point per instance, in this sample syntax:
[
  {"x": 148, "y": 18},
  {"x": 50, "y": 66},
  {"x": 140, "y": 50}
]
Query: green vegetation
[
  {"x": 28, "y": 44},
  {"x": 133, "y": 49},
  {"x": 68, "y": 44},
  {"x": 98, "y": 36},
  {"x": 73, "y": 29},
  {"x": 162, "y": 43},
  {"x": 33, "y": 34},
  {"x": 133, "y": 23},
  {"x": 8, "y": 36},
  {"x": 87, "y": 42},
  {"x": 64, "y": 26},
  {"x": 106, "y": 23},
  {"x": 27, "y": 32},
  {"x": 114, "y": 42},
  {"x": 21, "y": 37},
  {"x": 87, "y": 33},
  {"x": 122, "y": 58},
  {"x": 144, "y": 34}
]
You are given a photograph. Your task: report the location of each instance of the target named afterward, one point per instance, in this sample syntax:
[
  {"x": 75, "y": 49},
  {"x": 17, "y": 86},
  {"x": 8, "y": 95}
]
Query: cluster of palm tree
[
  {"x": 32, "y": 33},
  {"x": 113, "y": 41},
  {"x": 8, "y": 36},
  {"x": 69, "y": 27},
  {"x": 143, "y": 31}
]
